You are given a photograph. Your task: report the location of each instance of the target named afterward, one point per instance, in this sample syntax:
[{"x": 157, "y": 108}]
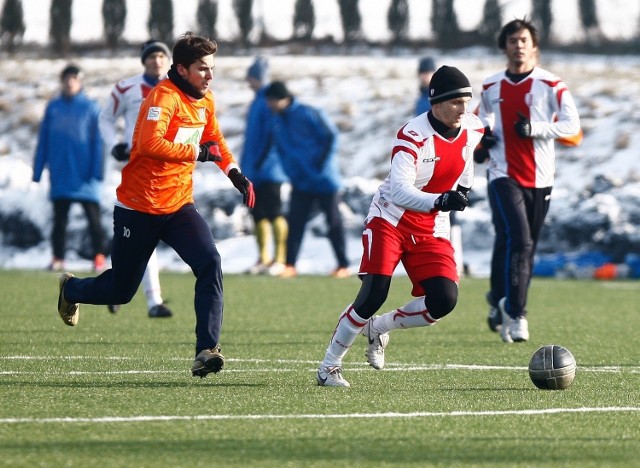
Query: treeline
[{"x": 445, "y": 31}]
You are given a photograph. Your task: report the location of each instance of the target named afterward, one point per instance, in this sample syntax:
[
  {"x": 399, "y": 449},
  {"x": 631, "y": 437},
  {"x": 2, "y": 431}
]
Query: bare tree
[
  {"x": 243, "y": 9},
  {"x": 444, "y": 23},
  {"x": 207, "y": 17},
  {"x": 351, "y": 20},
  {"x": 60, "y": 26},
  {"x": 491, "y": 22},
  {"x": 304, "y": 20},
  {"x": 160, "y": 23},
  {"x": 114, "y": 14},
  {"x": 12, "y": 24},
  {"x": 398, "y": 20},
  {"x": 590, "y": 22},
  {"x": 543, "y": 17}
]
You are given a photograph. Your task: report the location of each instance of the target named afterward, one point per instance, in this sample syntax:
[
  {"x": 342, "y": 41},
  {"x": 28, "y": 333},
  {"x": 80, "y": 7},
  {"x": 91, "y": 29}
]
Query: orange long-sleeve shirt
[{"x": 158, "y": 177}]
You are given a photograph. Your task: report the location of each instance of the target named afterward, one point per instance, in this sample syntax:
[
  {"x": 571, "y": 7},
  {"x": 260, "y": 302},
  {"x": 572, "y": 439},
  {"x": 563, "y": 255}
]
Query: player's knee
[
  {"x": 373, "y": 292},
  {"x": 441, "y": 296}
]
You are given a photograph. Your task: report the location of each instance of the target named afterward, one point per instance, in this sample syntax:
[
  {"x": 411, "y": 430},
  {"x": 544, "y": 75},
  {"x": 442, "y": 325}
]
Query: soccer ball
[{"x": 552, "y": 367}]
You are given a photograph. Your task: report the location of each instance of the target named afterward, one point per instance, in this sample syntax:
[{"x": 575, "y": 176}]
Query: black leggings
[
  {"x": 441, "y": 295},
  {"x": 61, "y": 219}
]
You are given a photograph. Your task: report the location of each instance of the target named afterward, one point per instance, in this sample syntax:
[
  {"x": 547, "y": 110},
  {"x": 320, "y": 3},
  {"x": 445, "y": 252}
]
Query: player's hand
[
  {"x": 481, "y": 155},
  {"x": 488, "y": 140},
  {"x": 523, "y": 126},
  {"x": 209, "y": 151},
  {"x": 121, "y": 152},
  {"x": 451, "y": 201},
  {"x": 244, "y": 186}
]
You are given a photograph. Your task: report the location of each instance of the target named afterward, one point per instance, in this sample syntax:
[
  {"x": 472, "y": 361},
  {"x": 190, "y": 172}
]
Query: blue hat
[
  {"x": 426, "y": 64},
  {"x": 259, "y": 70}
]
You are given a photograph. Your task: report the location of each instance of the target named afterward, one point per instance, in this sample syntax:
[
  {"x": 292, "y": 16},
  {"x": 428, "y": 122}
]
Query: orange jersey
[{"x": 158, "y": 177}]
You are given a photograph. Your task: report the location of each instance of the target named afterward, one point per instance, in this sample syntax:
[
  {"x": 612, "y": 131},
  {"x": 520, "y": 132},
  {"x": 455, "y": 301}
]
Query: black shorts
[{"x": 268, "y": 201}]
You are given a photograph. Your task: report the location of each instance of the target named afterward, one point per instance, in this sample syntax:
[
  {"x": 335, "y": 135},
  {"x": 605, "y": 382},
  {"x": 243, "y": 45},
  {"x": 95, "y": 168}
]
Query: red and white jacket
[
  {"x": 545, "y": 100},
  {"x": 424, "y": 165},
  {"x": 124, "y": 101}
]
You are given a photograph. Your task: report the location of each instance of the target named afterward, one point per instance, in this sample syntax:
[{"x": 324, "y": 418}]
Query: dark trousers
[
  {"x": 301, "y": 206},
  {"x": 135, "y": 236},
  {"x": 61, "y": 220},
  {"x": 518, "y": 215}
]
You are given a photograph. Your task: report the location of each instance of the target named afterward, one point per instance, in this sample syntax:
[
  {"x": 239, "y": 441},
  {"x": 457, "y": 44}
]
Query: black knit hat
[
  {"x": 152, "y": 46},
  {"x": 277, "y": 90},
  {"x": 448, "y": 83}
]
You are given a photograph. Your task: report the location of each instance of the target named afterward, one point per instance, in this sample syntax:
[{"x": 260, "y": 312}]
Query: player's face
[
  {"x": 71, "y": 84},
  {"x": 199, "y": 74},
  {"x": 450, "y": 112},
  {"x": 278, "y": 105},
  {"x": 521, "y": 51},
  {"x": 156, "y": 64}
]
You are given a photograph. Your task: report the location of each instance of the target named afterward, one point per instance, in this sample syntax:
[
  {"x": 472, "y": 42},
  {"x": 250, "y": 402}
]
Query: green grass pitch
[{"x": 116, "y": 390}]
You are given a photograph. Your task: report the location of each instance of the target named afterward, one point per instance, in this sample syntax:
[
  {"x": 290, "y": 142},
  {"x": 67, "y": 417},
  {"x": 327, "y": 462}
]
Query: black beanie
[
  {"x": 152, "y": 46},
  {"x": 448, "y": 83},
  {"x": 277, "y": 90}
]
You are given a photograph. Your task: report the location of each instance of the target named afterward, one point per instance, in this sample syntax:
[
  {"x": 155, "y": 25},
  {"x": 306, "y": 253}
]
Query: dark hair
[
  {"x": 513, "y": 27},
  {"x": 70, "y": 69},
  {"x": 190, "y": 48}
]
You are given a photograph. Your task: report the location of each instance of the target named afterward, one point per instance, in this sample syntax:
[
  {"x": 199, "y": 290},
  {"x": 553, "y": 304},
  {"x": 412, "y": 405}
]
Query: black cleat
[
  {"x": 160, "y": 311},
  {"x": 207, "y": 361}
]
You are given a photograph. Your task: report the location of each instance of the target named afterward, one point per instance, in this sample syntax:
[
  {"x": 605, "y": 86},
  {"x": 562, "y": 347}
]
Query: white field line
[
  {"x": 236, "y": 417},
  {"x": 276, "y": 366}
]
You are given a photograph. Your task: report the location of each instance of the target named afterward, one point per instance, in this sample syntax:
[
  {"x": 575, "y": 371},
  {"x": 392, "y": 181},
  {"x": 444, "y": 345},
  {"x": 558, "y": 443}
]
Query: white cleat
[
  {"x": 331, "y": 377},
  {"x": 519, "y": 329},
  {"x": 505, "y": 328},
  {"x": 376, "y": 343}
]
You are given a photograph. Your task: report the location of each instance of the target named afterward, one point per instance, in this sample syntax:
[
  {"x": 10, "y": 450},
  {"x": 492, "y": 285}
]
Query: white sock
[
  {"x": 349, "y": 327},
  {"x": 414, "y": 314},
  {"x": 151, "y": 282}
]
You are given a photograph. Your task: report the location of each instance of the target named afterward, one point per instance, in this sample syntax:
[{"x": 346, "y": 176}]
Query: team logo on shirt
[
  {"x": 430, "y": 159},
  {"x": 154, "y": 113},
  {"x": 528, "y": 99},
  {"x": 202, "y": 114}
]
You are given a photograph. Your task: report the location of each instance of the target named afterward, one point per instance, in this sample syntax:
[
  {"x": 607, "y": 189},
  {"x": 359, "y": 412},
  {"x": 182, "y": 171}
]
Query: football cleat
[
  {"x": 207, "y": 361},
  {"x": 331, "y": 377},
  {"x": 519, "y": 329},
  {"x": 69, "y": 312},
  {"x": 494, "y": 319},
  {"x": 376, "y": 342},
  {"x": 505, "y": 329},
  {"x": 160, "y": 311}
]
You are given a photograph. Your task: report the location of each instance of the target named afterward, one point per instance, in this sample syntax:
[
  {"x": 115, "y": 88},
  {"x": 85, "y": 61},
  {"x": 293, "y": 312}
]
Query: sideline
[{"x": 232, "y": 417}]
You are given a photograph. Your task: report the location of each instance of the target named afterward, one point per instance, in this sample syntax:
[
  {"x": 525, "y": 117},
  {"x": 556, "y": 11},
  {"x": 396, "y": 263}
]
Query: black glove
[
  {"x": 481, "y": 155},
  {"x": 523, "y": 126},
  {"x": 121, "y": 152},
  {"x": 451, "y": 200},
  {"x": 209, "y": 151},
  {"x": 488, "y": 140},
  {"x": 244, "y": 186}
]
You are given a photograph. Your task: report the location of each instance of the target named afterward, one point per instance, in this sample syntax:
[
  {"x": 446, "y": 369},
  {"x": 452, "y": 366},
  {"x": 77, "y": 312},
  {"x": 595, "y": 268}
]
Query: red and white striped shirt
[
  {"x": 424, "y": 165},
  {"x": 545, "y": 100}
]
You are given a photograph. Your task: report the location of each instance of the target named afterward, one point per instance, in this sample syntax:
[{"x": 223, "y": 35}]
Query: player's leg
[
  {"x": 152, "y": 289},
  {"x": 135, "y": 237},
  {"x": 92, "y": 212},
  {"x": 300, "y": 206},
  {"x": 381, "y": 254},
  {"x": 190, "y": 236},
  {"x": 59, "y": 233}
]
